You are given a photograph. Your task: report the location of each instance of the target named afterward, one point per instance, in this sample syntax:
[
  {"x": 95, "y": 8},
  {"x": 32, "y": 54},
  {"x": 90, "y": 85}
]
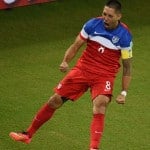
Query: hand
[
  {"x": 120, "y": 99},
  {"x": 64, "y": 67}
]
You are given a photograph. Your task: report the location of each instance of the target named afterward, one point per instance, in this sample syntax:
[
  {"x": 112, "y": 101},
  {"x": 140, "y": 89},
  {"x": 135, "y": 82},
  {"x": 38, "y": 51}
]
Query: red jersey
[{"x": 103, "y": 51}]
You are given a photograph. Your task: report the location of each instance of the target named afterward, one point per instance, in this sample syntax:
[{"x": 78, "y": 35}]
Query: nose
[{"x": 105, "y": 19}]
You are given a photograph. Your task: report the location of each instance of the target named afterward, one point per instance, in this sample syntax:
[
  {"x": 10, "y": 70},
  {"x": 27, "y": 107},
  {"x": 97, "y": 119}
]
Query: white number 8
[{"x": 108, "y": 85}]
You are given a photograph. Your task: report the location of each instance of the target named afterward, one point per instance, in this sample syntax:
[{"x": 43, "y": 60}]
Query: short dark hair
[{"x": 114, "y": 4}]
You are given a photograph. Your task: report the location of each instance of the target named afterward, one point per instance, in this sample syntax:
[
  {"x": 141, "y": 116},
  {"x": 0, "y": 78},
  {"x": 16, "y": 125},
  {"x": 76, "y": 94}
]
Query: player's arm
[
  {"x": 71, "y": 52},
  {"x": 126, "y": 75}
]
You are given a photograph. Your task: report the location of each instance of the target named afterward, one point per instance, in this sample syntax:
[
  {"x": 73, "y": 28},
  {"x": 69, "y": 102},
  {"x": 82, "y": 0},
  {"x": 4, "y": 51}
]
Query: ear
[{"x": 119, "y": 16}]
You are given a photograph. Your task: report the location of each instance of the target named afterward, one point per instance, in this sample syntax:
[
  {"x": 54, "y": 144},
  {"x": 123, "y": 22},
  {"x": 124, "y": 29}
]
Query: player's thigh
[
  {"x": 73, "y": 85},
  {"x": 100, "y": 104},
  {"x": 102, "y": 86}
]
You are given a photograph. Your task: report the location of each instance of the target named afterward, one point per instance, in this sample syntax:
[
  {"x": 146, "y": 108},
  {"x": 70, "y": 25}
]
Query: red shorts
[{"x": 78, "y": 81}]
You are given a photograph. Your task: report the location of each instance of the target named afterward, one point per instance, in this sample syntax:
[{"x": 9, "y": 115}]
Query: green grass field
[{"x": 32, "y": 43}]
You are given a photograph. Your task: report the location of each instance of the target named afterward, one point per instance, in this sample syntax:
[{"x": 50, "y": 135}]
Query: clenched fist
[
  {"x": 120, "y": 99},
  {"x": 64, "y": 67}
]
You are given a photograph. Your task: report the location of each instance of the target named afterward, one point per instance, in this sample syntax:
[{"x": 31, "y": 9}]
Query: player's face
[{"x": 111, "y": 17}]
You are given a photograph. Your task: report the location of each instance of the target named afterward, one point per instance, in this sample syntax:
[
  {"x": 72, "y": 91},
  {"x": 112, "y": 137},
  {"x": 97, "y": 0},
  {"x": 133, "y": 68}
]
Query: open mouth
[{"x": 106, "y": 25}]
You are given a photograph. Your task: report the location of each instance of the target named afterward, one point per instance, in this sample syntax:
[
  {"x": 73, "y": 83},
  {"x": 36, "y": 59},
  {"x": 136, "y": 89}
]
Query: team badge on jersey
[{"x": 115, "y": 39}]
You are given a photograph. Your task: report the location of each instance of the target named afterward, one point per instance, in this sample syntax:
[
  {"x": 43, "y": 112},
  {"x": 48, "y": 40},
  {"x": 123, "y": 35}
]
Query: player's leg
[
  {"x": 43, "y": 115},
  {"x": 101, "y": 90},
  {"x": 70, "y": 87},
  {"x": 97, "y": 125}
]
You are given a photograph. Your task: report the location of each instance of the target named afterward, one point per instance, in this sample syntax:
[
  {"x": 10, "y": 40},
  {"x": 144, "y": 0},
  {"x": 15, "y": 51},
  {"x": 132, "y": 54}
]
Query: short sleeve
[
  {"x": 87, "y": 28},
  {"x": 126, "y": 46}
]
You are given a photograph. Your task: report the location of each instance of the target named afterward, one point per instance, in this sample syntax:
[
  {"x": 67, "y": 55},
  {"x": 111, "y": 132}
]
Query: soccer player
[{"x": 107, "y": 40}]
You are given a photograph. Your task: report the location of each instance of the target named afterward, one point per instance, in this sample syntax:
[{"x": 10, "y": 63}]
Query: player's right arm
[
  {"x": 79, "y": 41},
  {"x": 71, "y": 52}
]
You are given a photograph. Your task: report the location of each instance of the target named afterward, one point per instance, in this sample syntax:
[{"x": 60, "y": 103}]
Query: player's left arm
[{"x": 126, "y": 75}]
